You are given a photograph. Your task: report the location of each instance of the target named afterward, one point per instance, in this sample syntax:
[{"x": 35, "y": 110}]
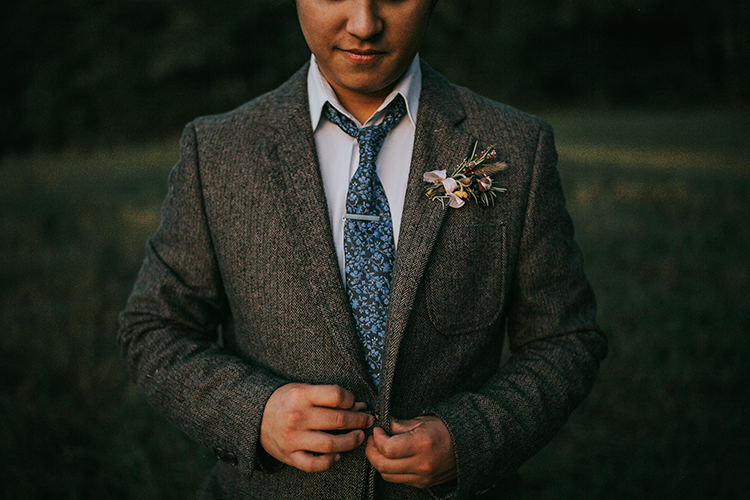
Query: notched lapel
[
  {"x": 439, "y": 144},
  {"x": 300, "y": 197}
]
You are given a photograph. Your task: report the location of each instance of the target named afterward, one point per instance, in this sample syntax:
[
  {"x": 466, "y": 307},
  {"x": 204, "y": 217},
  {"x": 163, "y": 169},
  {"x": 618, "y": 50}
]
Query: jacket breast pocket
[{"x": 466, "y": 277}]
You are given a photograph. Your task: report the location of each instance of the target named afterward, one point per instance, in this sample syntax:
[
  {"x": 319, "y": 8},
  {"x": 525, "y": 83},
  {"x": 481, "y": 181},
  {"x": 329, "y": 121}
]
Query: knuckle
[
  {"x": 295, "y": 417},
  {"x": 298, "y": 391},
  {"x": 340, "y": 420},
  {"x": 287, "y": 437},
  {"x": 388, "y": 449},
  {"x": 365, "y": 420},
  {"x": 327, "y": 445},
  {"x": 341, "y": 394},
  {"x": 424, "y": 469},
  {"x": 426, "y": 444}
]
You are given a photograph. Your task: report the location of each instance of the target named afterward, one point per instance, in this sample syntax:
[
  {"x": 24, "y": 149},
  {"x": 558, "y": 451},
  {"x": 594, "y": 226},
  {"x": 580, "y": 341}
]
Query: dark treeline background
[
  {"x": 650, "y": 101},
  {"x": 106, "y": 72}
]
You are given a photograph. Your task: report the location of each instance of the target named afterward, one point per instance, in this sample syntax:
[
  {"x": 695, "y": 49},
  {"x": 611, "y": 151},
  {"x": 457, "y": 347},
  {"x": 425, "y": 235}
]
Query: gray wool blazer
[{"x": 240, "y": 293}]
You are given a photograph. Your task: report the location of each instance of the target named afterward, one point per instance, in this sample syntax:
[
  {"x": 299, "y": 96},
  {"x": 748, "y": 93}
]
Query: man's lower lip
[{"x": 361, "y": 58}]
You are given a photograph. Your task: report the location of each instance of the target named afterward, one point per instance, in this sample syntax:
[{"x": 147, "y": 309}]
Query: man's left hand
[{"x": 418, "y": 452}]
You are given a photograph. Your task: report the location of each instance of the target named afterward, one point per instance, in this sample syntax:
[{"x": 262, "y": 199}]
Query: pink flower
[
  {"x": 450, "y": 184},
  {"x": 456, "y": 202},
  {"x": 435, "y": 175},
  {"x": 484, "y": 183}
]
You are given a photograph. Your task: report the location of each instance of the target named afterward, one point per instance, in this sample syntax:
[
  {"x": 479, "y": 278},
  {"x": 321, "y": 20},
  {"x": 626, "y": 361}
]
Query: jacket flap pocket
[{"x": 466, "y": 277}]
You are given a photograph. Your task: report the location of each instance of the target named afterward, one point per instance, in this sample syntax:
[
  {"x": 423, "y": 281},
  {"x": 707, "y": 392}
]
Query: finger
[
  {"x": 335, "y": 397},
  {"x": 398, "y": 446},
  {"x": 331, "y": 396},
  {"x": 419, "y": 479},
  {"x": 421, "y": 457},
  {"x": 329, "y": 419},
  {"x": 326, "y": 444},
  {"x": 403, "y": 426},
  {"x": 418, "y": 471},
  {"x": 360, "y": 406},
  {"x": 388, "y": 467},
  {"x": 313, "y": 462},
  {"x": 410, "y": 479}
]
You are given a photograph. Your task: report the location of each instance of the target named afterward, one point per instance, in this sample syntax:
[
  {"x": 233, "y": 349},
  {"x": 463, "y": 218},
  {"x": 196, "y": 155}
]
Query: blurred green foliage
[{"x": 107, "y": 72}]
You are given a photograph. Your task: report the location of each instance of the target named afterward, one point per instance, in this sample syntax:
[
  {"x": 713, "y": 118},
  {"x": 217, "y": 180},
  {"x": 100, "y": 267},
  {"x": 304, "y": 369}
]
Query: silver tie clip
[{"x": 368, "y": 218}]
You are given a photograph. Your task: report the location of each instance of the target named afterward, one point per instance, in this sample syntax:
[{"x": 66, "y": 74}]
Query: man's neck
[{"x": 362, "y": 106}]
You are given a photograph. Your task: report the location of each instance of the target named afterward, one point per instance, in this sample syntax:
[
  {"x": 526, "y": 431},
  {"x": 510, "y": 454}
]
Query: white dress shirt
[{"x": 338, "y": 152}]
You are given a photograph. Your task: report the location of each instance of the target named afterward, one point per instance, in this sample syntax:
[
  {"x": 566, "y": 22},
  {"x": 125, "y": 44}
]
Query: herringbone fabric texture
[{"x": 245, "y": 242}]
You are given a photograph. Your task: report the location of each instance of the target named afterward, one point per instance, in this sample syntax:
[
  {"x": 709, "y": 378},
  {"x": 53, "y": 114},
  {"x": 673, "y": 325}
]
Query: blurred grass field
[{"x": 661, "y": 204}]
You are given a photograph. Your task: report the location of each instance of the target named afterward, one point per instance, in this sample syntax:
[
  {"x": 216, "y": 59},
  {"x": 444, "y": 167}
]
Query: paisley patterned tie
[{"x": 368, "y": 235}]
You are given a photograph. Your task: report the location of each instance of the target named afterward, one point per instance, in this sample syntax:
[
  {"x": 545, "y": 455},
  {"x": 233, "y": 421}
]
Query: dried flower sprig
[{"x": 469, "y": 180}]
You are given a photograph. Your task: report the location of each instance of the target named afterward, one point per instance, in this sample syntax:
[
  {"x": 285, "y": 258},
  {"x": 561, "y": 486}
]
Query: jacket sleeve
[
  {"x": 168, "y": 333},
  {"x": 555, "y": 342}
]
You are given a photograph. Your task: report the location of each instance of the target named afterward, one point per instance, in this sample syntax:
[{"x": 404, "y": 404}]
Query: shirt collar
[{"x": 319, "y": 91}]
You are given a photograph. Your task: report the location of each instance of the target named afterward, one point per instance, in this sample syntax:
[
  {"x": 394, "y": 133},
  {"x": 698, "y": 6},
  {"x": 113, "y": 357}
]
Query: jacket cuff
[
  {"x": 236, "y": 437},
  {"x": 471, "y": 441}
]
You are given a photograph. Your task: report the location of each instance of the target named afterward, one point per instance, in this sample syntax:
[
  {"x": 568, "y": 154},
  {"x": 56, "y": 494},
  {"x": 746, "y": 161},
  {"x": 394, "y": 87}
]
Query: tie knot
[{"x": 369, "y": 138}]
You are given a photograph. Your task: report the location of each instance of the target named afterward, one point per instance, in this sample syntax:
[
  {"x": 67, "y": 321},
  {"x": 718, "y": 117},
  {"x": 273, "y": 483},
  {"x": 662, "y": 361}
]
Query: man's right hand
[{"x": 299, "y": 422}]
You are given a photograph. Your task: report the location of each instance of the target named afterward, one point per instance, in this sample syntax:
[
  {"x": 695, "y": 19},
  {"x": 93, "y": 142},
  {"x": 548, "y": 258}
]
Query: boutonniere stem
[{"x": 471, "y": 179}]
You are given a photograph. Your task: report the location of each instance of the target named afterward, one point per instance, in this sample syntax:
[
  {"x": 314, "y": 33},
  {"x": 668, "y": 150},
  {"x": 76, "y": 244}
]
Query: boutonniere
[{"x": 471, "y": 179}]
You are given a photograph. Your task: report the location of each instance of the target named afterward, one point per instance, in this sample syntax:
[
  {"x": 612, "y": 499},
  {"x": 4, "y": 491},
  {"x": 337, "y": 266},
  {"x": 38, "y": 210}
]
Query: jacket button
[
  {"x": 231, "y": 458},
  {"x": 226, "y": 456}
]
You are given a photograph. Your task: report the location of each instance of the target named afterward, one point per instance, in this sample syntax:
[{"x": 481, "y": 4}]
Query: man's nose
[{"x": 364, "y": 20}]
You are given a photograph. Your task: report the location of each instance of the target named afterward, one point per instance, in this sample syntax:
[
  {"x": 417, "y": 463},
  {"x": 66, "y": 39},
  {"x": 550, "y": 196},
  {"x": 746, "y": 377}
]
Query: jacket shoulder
[
  {"x": 255, "y": 116},
  {"x": 484, "y": 113}
]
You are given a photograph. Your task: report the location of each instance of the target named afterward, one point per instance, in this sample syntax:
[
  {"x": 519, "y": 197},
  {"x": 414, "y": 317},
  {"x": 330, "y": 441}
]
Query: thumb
[{"x": 403, "y": 426}]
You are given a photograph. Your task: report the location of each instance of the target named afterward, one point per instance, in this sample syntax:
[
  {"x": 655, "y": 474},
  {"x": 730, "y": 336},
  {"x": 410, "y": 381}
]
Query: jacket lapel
[
  {"x": 295, "y": 174},
  {"x": 438, "y": 144}
]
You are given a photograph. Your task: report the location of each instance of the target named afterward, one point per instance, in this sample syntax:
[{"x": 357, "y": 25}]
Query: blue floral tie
[{"x": 368, "y": 235}]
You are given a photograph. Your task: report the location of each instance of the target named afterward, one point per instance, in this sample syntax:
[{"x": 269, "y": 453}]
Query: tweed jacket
[{"x": 240, "y": 292}]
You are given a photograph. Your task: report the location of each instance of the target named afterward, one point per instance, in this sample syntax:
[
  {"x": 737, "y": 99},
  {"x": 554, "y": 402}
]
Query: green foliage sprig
[{"x": 469, "y": 180}]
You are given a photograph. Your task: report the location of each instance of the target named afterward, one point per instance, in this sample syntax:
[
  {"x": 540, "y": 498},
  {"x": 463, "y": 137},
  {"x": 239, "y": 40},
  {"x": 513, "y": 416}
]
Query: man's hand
[
  {"x": 296, "y": 420},
  {"x": 418, "y": 453}
]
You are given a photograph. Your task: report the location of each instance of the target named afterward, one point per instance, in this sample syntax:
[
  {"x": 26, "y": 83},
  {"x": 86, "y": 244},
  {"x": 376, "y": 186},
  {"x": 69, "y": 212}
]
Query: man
[{"x": 326, "y": 351}]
